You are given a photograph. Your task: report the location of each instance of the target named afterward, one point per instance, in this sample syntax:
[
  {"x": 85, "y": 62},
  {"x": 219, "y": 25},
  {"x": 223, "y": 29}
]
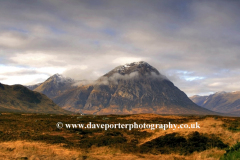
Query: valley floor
[
  {"x": 38, "y": 150},
  {"x": 35, "y": 136}
]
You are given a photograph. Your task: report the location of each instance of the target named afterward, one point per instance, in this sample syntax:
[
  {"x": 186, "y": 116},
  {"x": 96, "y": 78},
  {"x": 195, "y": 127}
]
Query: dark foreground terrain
[{"x": 35, "y": 136}]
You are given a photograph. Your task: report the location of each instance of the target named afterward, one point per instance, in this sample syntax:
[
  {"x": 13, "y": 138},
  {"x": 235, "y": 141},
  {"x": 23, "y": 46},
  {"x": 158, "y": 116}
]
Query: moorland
[{"x": 35, "y": 136}]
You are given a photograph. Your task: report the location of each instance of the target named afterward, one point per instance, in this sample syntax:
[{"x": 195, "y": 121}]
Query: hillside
[
  {"x": 224, "y": 102},
  {"x": 17, "y": 98},
  {"x": 32, "y": 87},
  {"x": 199, "y": 100}
]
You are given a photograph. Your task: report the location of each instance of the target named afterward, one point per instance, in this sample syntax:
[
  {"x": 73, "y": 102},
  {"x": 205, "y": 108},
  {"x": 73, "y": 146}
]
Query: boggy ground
[{"x": 35, "y": 136}]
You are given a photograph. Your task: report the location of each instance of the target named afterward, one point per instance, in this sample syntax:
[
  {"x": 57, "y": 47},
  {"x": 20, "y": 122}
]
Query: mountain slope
[
  {"x": 32, "y": 87},
  {"x": 18, "y": 98},
  {"x": 129, "y": 89},
  {"x": 55, "y": 85},
  {"x": 199, "y": 100},
  {"x": 224, "y": 102}
]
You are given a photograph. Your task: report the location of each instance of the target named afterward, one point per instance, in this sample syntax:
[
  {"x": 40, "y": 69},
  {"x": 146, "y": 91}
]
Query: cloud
[
  {"x": 124, "y": 60},
  {"x": 81, "y": 73},
  {"x": 11, "y": 39},
  {"x": 104, "y": 80},
  {"x": 25, "y": 75},
  {"x": 114, "y": 78},
  {"x": 86, "y": 39},
  {"x": 33, "y": 59}
]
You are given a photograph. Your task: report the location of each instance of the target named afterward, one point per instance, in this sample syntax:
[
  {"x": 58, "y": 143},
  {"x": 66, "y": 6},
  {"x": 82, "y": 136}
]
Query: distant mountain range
[
  {"x": 17, "y": 98},
  {"x": 224, "y": 102},
  {"x": 128, "y": 89}
]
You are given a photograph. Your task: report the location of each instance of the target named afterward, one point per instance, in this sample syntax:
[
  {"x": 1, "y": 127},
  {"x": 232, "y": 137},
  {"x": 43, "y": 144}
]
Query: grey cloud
[
  {"x": 83, "y": 82},
  {"x": 200, "y": 37},
  {"x": 134, "y": 75},
  {"x": 19, "y": 73},
  {"x": 115, "y": 77},
  {"x": 78, "y": 74}
]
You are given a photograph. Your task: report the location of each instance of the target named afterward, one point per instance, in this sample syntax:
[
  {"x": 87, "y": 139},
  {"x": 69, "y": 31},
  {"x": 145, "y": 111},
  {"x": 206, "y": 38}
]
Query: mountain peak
[
  {"x": 60, "y": 78},
  {"x": 220, "y": 92},
  {"x": 54, "y": 85},
  {"x": 139, "y": 64},
  {"x": 141, "y": 68},
  {"x": 57, "y": 75}
]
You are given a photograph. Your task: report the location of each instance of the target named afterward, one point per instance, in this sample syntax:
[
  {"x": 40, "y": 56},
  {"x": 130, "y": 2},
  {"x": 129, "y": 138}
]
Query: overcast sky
[{"x": 195, "y": 43}]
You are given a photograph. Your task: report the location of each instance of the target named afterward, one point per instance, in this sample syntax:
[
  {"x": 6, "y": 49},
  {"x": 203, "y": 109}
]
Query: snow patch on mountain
[{"x": 58, "y": 78}]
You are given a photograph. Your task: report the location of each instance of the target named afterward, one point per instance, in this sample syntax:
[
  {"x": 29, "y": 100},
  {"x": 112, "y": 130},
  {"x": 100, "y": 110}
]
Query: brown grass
[
  {"x": 37, "y": 125},
  {"x": 38, "y": 150},
  {"x": 208, "y": 125},
  {"x": 149, "y": 117},
  {"x": 35, "y": 151}
]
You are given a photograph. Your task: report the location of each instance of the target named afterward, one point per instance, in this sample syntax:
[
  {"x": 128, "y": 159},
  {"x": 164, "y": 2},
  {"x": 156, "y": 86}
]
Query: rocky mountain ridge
[{"x": 223, "y": 102}]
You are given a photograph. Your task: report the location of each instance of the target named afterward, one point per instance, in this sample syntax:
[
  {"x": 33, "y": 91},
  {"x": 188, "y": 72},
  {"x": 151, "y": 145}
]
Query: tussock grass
[
  {"x": 36, "y": 151},
  {"x": 35, "y": 136}
]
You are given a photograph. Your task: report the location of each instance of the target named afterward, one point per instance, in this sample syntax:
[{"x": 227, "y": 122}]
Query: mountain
[
  {"x": 55, "y": 85},
  {"x": 32, "y": 87},
  {"x": 129, "y": 89},
  {"x": 199, "y": 100},
  {"x": 224, "y": 102},
  {"x": 17, "y": 98}
]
